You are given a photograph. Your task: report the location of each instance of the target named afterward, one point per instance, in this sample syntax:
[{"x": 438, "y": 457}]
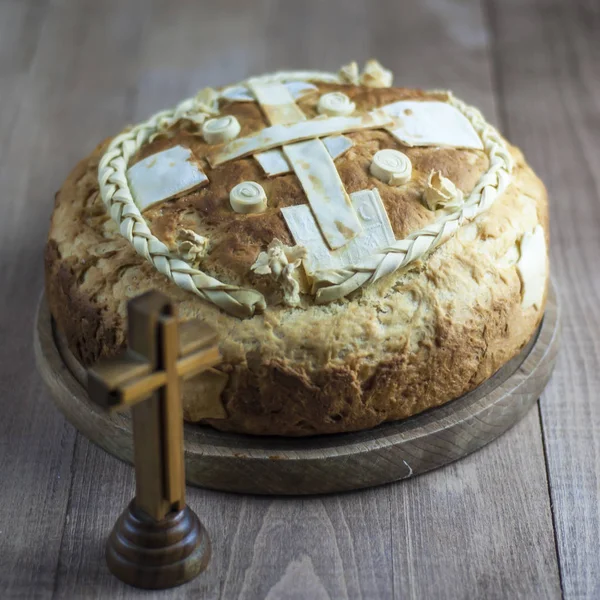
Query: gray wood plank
[
  {"x": 20, "y": 28},
  {"x": 43, "y": 130},
  {"x": 467, "y": 531},
  {"x": 549, "y": 68},
  {"x": 36, "y": 445},
  {"x": 335, "y": 546},
  {"x": 483, "y": 522},
  {"x": 481, "y": 527}
]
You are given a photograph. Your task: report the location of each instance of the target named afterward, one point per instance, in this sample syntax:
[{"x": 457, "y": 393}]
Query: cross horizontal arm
[
  {"x": 279, "y": 135},
  {"x": 122, "y": 380},
  {"x": 135, "y": 390},
  {"x": 106, "y": 377}
]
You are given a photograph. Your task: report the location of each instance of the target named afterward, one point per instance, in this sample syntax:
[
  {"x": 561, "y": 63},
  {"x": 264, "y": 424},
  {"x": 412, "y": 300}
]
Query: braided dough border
[
  {"x": 329, "y": 284},
  {"x": 332, "y": 284}
]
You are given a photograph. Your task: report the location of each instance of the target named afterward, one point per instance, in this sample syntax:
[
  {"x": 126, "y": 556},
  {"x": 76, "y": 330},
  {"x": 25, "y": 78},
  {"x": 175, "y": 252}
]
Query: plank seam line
[
  {"x": 489, "y": 16},
  {"x": 498, "y": 85},
  {"x": 67, "y": 513},
  {"x": 32, "y": 61},
  {"x": 552, "y": 510}
]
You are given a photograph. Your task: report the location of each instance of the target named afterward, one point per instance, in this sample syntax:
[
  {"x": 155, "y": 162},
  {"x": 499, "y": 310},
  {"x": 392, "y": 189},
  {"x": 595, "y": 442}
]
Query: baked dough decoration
[
  {"x": 248, "y": 197},
  {"x": 412, "y": 122},
  {"x": 191, "y": 246},
  {"x": 277, "y": 102},
  {"x": 222, "y": 129},
  {"x": 533, "y": 267},
  {"x": 325, "y": 191},
  {"x": 349, "y": 74},
  {"x": 274, "y": 162},
  {"x": 418, "y": 124},
  {"x": 281, "y": 262},
  {"x": 337, "y": 145},
  {"x": 165, "y": 175},
  {"x": 335, "y": 104},
  {"x": 440, "y": 192},
  {"x": 374, "y": 75},
  {"x": 391, "y": 166},
  {"x": 376, "y": 233},
  {"x": 279, "y": 135},
  {"x": 297, "y": 82}
]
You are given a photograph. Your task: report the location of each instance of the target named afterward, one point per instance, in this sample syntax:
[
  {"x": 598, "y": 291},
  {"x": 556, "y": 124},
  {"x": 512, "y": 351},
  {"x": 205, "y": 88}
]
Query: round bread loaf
[{"x": 350, "y": 291}]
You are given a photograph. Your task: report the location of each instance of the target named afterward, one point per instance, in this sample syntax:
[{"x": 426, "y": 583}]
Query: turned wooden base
[
  {"x": 326, "y": 463},
  {"x": 157, "y": 554}
]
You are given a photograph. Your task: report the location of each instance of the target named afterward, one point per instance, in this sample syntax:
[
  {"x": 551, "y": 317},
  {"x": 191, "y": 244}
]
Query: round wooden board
[{"x": 321, "y": 464}]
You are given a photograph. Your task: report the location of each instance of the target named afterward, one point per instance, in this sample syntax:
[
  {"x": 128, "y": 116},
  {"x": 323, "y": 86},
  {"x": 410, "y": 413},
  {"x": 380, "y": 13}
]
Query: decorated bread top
[{"x": 302, "y": 188}]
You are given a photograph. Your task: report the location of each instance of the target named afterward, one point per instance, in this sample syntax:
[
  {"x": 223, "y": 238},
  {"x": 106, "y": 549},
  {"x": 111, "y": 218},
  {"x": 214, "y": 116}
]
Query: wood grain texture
[
  {"x": 36, "y": 446},
  {"x": 548, "y": 61},
  {"x": 349, "y": 547},
  {"x": 73, "y": 72},
  {"x": 323, "y": 464},
  {"x": 51, "y": 60}
]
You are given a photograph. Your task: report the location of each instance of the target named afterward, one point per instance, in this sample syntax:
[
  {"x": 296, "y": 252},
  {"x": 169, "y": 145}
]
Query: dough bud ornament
[
  {"x": 391, "y": 166},
  {"x": 349, "y": 74},
  {"x": 335, "y": 104},
  {"x": 223, "y": 129},
  {"x": 374, "y": 75},
  {"x": 248, "y": 197},
  {"x": 196, "y": 110}
]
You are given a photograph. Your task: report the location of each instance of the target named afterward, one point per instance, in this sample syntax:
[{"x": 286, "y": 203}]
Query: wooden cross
[{"x": 146, "y": 377}]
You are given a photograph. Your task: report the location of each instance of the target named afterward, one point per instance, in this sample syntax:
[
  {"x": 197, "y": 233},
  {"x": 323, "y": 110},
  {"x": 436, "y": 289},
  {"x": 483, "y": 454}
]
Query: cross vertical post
[
  {"x": 173, "y": 416},
  {"x": 158, "y": 542},
  {"x": 144, "y": 315}
]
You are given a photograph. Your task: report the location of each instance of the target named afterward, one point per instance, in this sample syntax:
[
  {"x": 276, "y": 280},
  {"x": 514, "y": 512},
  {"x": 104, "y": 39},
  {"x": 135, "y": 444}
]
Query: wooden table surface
[{"x": 519, "y": 519}]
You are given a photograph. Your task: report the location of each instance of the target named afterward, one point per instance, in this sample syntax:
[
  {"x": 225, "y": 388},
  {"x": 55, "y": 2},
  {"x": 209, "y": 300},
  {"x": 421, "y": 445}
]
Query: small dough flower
[
  {"x": 207, "y": 101},
  {"x": 441, "y": 192},
  {"x": 280, "y": 262},
  {"x": 191, "y": 246},
  {"x": 374, "y": 75},
  {"x": 349, "y": 74}
]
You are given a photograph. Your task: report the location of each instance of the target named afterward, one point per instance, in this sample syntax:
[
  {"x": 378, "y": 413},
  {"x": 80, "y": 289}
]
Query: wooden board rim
[{"x": 327, "y": 463}]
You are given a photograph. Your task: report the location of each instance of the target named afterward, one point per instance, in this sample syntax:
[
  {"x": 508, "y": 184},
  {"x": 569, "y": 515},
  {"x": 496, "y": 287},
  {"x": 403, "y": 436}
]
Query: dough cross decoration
[
  {"x": 146, "y": 377},
  {"x": 348, "y": 236},
  {"x": 299, "y": 145},
  {"x": 335, "y": 230}
]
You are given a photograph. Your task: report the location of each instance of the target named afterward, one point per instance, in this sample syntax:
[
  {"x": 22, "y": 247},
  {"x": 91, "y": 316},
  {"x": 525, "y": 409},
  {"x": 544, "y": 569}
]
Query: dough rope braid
[
  {"x": 333, "y": 284},
  {"x": 116, "y": 195},
  {"x": 330, "y": 284}
]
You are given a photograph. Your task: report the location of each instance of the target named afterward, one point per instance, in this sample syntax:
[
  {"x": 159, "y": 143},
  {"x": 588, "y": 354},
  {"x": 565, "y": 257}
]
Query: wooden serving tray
[{"x": 327, "y": 463}]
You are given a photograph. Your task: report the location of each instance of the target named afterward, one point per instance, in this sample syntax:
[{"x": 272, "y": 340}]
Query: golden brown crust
[{"x": 409, "y": 342}]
